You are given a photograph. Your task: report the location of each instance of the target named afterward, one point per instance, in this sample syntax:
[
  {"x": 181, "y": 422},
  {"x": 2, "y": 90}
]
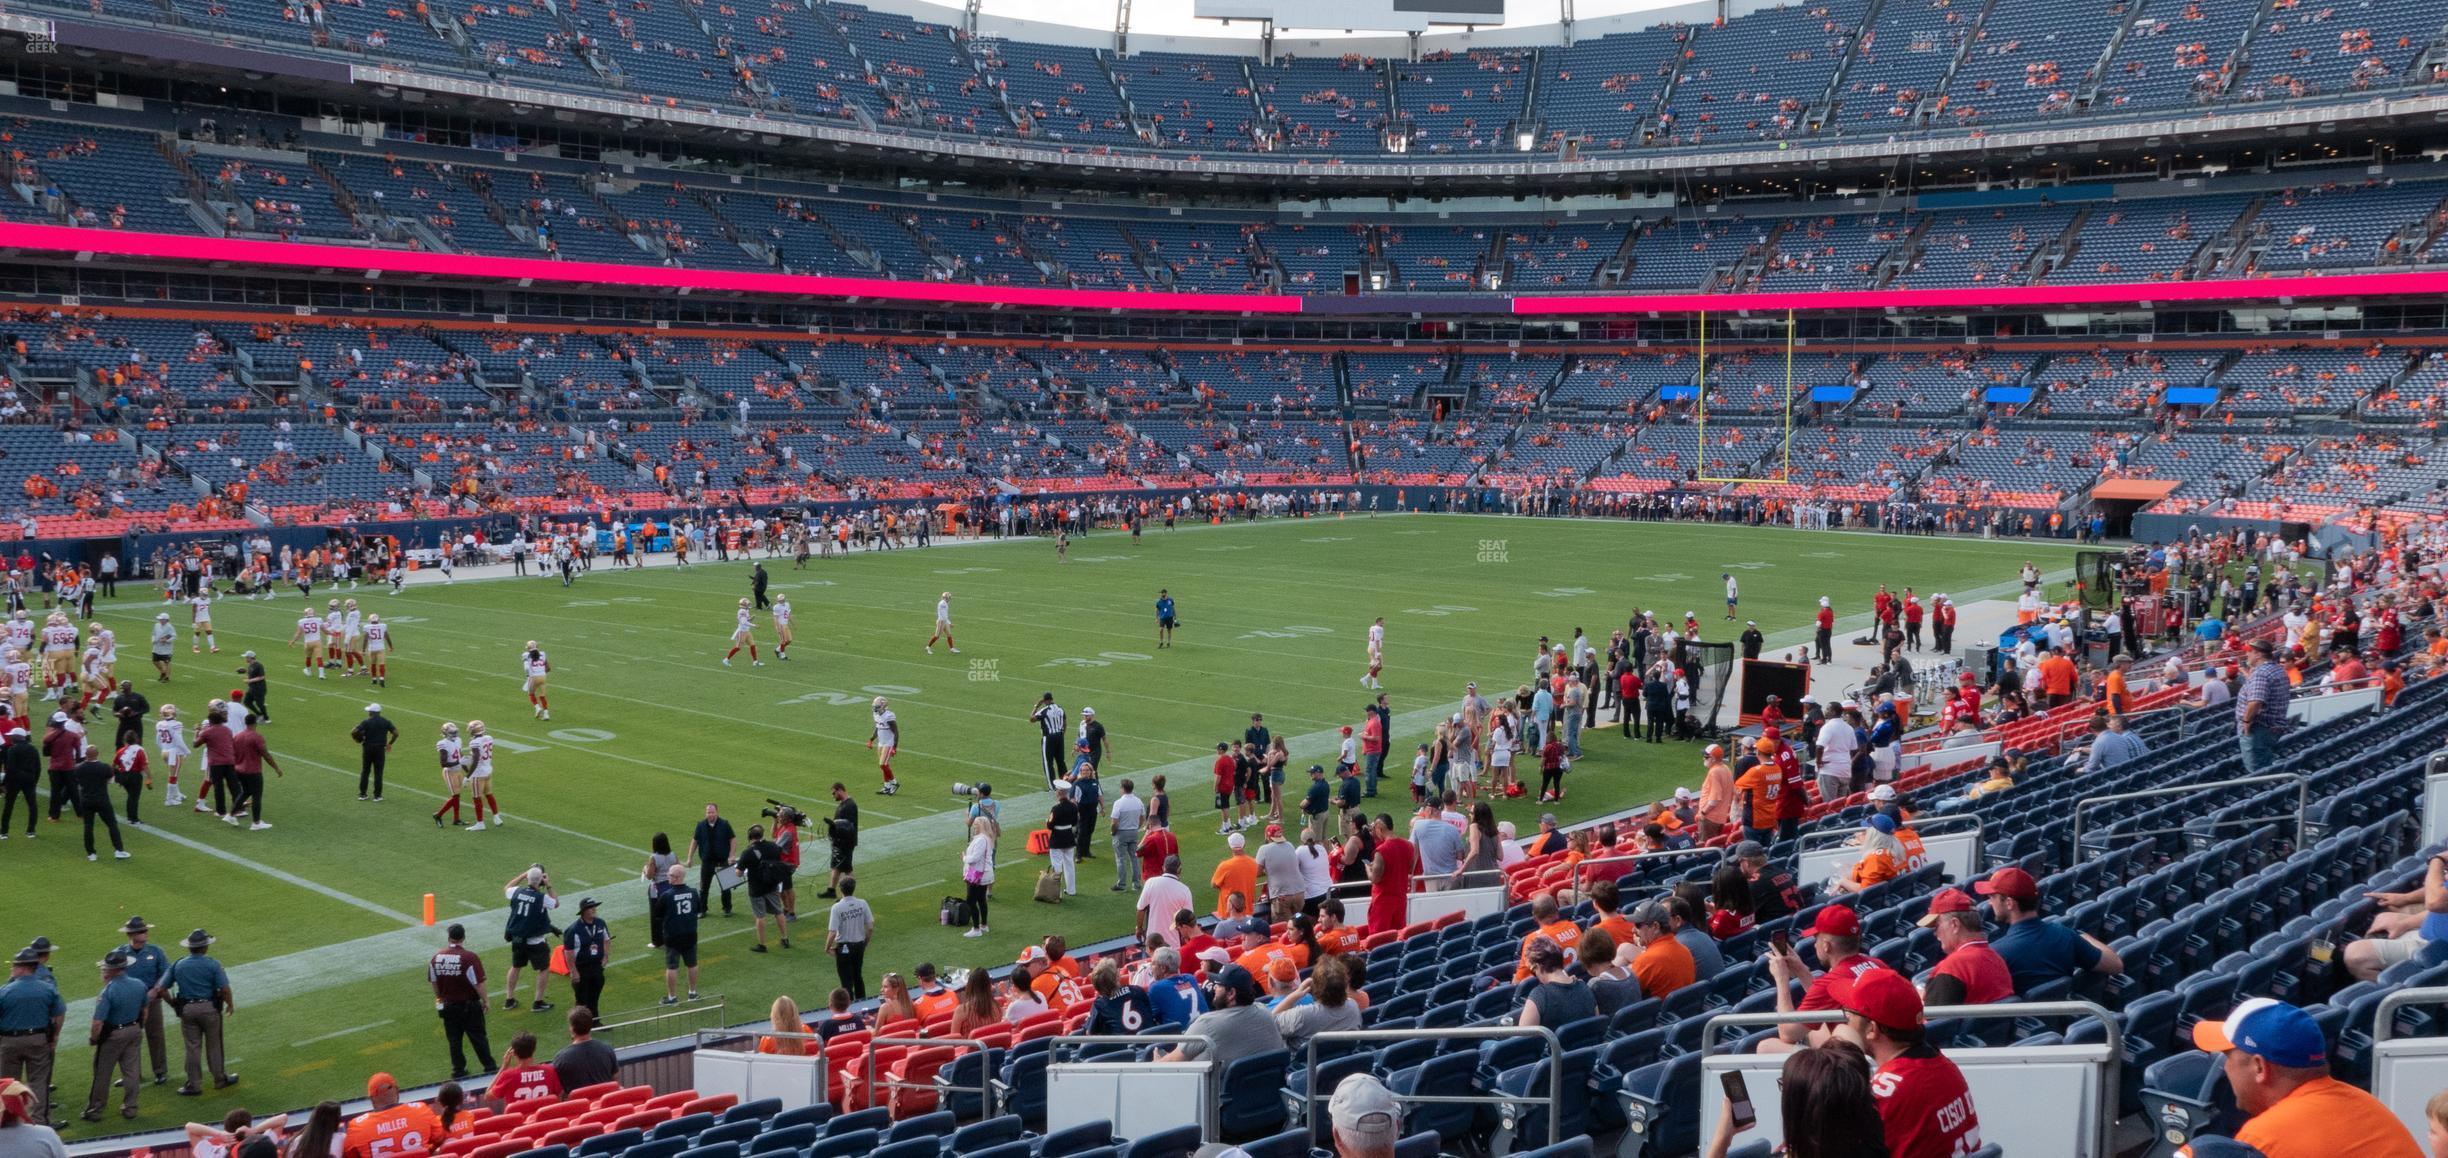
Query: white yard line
[{"x": 342, "y": 1032}]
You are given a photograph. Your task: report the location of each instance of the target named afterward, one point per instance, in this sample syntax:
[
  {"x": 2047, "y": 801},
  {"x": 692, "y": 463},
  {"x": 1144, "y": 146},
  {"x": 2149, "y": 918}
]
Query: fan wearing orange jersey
[{"x": 391, "y": 1129}]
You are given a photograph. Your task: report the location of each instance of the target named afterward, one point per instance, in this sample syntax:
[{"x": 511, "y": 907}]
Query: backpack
[
  {"x": 1049, "y": 887},
  {"x": 955, "y": 911}
]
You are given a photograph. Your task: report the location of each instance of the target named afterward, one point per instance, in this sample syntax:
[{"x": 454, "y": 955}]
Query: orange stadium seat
[{"x": 910, "y": 1085}]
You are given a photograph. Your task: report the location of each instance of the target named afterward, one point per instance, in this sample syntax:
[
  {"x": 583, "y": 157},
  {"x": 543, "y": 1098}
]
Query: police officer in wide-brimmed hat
[
  {"x": 152, "y": 967},
  {"x": 198, "y": 990},
  {"x": 42, "y": 947},
  {"x": 31, "y": 1012},
  {"x": 116, "y": 1035}
]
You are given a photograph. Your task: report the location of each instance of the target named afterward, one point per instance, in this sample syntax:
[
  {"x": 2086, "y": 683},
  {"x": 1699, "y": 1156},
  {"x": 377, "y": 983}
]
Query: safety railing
[
  {"x": 2303, "y": 794},
  {"x": 2113, "y": 1055},
  {"x": 985, "y": 1089},
  {"x": 1311, "y": 1095},
  {"x": 1815, "y": 844},
  {"x": 803, "y": 1052},
  {"x": 2384, "y": 1019},
  {"x": 654, "y": 1023},
  {"x": 1714, "y": 853},
  {"x": 1207, "y": 1113}
]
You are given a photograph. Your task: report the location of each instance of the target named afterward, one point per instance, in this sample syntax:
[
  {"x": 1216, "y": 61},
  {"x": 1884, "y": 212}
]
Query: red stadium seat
[
  {"x": 626, "y": 1096},
  {"x": 642, "y": 1120},
  {"x": 1035, "y": 1029},
  {"x": 498, "y": 1150},
  {"x": 710, "y": 1104},
  {"x": 1446, "y": 921},
  {"x": 494, "y": 1124},
  {"x": 906, "y": 1027},
  {"x": 911, "y": 1091},
  {"x": 570, "y": 1136},
  {"x": 568, "y": 1107},
  {"x": 1385, "y": 938},
  {"x": 1000, "y": 1037},
  {"x": 590, "y": 1093},
  {"x": 670, "y": 1101}
]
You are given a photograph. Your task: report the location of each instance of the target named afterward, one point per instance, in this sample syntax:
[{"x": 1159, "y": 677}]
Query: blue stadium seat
[
  {"x": 1578, "y": 1147},
  {"x": 2188, "y": 1094},
  {"x": 846, "y": 1144},
  {"x": 1006, "y": 1150},
  {"x": 544, "y": 1152},
  {"x": 1421, "y": 1145},
  {"x": 1023, "y": 1087},
  {"x": 688, "y": 1127},
  {"x": 660, "y": 1148},
  {"x": 1329, "y": 1074},
  {"x": 1076, "y": 1140},
  {"x": 1289, "y": 1144},
  {"x": 729, "y": 1134},
  {"x": 935, "y": 1125},
  {"x": 876, "y": 1118},
  {"x": 612, "y": 1143},
  {"x": 1177, "y": 1142},
  {"x": 721, "y": 1150},
  {"x": 984, "y": 1135},
  {"x": 959, "y": 1082},
  {"x": 778, "y": 1139},
  {"x": 814, "y": 1115},
  {"x": 1248, "y": 1105},
  {"x": 756, "y": 1111},
  {"x": 909, "y": 1148},
  {"x": 1662, "y": 1103},
  {"x": 1443, "y": 1076}
]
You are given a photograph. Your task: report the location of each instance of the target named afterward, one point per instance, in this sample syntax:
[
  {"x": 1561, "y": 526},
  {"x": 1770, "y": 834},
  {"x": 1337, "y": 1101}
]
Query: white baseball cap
[
  {"x": 1882, "y": 793},
  {"x": 1234, "y": 842}
]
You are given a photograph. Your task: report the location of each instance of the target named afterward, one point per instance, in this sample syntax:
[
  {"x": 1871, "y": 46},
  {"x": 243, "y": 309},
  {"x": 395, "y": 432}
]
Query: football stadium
[{"x": 1374, "y": 578}]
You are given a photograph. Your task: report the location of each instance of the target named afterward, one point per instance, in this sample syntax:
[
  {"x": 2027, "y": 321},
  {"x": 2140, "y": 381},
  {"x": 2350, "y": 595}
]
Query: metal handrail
[
  {"x": 1718, "y": 851},
  {"x": 1924, "y": 825},
  {"x": 2382, "y": 1019},
  {"x": 1554, "y": 1101},
  {"x": 2115, "y": 1043},
  {"x": 984, "y": 1088},
  {"x": 2303, "y": 796},
  {"x": 1054, "y": 1056}
]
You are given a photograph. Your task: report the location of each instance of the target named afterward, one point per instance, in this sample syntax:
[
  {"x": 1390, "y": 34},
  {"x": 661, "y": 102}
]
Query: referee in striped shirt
[{"x": 1051, "y": 736}]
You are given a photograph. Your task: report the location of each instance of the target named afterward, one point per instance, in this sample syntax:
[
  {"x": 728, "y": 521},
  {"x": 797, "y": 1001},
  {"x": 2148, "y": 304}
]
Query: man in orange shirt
[
  {"x": 1236, "y": 875},
  {"x": 2120, "y": 701},
  {"x": 2057, "y": 679},
  {"x": 390, "y": 1129},
  {"x": 933, "y": 999},
  {"x": 1755, "y": 795},
  {"x": 2278, "y": 1065},
  {"x": 1551, "y": 923},
  {"x": 1664, "y": 964},
  {"x": 1716, "y": 794}
]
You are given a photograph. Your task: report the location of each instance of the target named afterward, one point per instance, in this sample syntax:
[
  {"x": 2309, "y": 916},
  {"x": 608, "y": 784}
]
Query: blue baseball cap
[{"x": 2272, "y": 1030}]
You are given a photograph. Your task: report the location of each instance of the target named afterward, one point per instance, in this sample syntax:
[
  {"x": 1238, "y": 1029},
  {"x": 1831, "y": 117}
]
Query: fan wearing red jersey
[
  {"x": 391, "y": 1129},
  {"x": 522, "y": 1077},
  {"x": 1922, "y": 1097}
]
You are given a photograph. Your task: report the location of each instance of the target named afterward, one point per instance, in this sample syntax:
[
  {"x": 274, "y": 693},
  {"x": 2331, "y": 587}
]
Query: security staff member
[
  {"x": 150, "y": 967},
  {"x": 42, "y": 947},
  {"x": 458, "y": 979},
  {"x": 117, "y": 1035},
  {"x": 254, "y": 699},
  {"x": 129, "y": 708},
  {"x": 198, "y": 991},
  {"x": 20, "y": 772},
  {"x": 30, "y": 1016},
  {"x": 374, "y": 735},
  {"x": 588, "y": 943},
  {"x": 756, "y": 584},
  {"x": 710, "y": 847},
  {"x": 93, "y": 785}
]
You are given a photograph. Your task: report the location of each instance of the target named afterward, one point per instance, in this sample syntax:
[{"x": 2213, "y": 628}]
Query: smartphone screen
[
  {"x": 1780, "y": 941},
  {"x": 1738, "y": 1097}
]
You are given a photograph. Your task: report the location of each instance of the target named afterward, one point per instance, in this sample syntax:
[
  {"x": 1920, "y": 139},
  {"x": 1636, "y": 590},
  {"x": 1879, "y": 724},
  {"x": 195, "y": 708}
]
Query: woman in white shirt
[{"x": 978, "y": 871}]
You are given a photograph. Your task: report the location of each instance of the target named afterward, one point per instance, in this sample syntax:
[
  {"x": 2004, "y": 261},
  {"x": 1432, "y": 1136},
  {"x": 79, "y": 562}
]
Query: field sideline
[{"x": 318, "y": 916}]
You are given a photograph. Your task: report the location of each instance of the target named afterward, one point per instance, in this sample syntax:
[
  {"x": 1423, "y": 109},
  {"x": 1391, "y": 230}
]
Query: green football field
[{"x": 319, "y": 916}]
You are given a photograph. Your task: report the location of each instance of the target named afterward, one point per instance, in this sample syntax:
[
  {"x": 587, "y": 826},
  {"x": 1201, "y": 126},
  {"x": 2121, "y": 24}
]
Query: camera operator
[
  {"x": 842, "y": 834},
  {"x": 760, "y": 868}
]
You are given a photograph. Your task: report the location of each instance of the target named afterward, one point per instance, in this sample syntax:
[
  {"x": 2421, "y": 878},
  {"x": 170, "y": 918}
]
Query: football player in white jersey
[
  {"x": 335, "y": 622},
  {"x": 781, "y": 611},
  {"x": 20, "y": 676},
  {"x": 101, "y": 636},
  {"x": 943, "y": 625},
  {"x": 743, "y": 634},
  {"x": 378, "y": 651},
  {"x": 352, "y": 638},
  {"x": 479, "y": 761},
  {"x": 170, "y": 739},
  {"x": 59, "y": 648},
  {"x": 454, "y": 772},
  {"x": 200, "y": 622},
  {"x": 165, "y": 644},
  {"x": 310, "y": 633},
  {"x": 93, "y": 680},
  {"x": 1376, "y": 655},
  {"x": 537, "y": 667},
  {"x": 19, "y": 632},
  {"x": 885, "y": 740}
]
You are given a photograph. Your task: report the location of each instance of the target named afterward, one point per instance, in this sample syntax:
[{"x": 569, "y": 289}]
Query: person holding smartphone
[{"x": 1823, "y": 1100}]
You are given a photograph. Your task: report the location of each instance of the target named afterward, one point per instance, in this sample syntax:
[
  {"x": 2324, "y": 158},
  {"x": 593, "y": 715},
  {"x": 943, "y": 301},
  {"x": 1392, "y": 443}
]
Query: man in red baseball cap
[
  {"x": 2036, "y": 950},
  {"x": 1971, "y": 973},
  {"x": 1922, "y": 1098},
  {"x": 1836, "y": 935}
]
